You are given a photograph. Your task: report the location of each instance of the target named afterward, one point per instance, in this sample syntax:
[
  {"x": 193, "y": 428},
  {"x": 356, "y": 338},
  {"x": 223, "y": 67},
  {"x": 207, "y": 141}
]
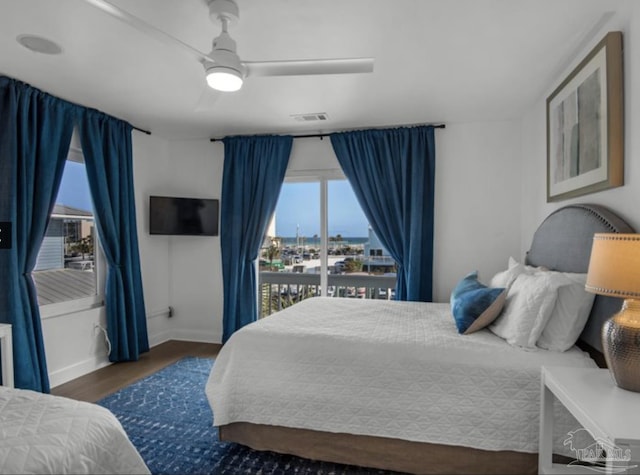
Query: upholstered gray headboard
[{"x": 563, "y": 242}]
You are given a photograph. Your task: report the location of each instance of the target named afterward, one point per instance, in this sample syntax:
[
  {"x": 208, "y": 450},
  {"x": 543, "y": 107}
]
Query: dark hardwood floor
[{"x": 98, "y": 384}]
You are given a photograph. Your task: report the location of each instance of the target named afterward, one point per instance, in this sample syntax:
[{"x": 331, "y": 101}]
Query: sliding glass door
[{"x": 319, "y": 243}]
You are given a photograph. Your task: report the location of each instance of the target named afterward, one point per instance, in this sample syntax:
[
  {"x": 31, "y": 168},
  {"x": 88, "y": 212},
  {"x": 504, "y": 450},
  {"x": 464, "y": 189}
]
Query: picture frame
[{"x": 585, "y": 125}]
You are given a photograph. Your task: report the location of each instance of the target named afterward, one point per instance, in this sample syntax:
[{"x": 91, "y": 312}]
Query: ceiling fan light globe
[{"x": 224, "y": 79}]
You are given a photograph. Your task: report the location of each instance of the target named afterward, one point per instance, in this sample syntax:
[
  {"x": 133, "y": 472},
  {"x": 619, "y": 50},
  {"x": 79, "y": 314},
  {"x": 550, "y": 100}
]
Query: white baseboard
[
  {"x": 197, "y": 336},
  {"x": 64, "y": 375},
  {"x": 158, "y": 338},
  {"x": 184, "y": 335}
]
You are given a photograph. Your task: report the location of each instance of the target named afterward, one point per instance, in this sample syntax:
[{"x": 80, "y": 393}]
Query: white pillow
[
  {"x": 569, "y": 315},
  {"x": 530, "y": 301},
  {"x": 514, "y": 269},
  {"x": 506, "y": 278},
  {"x": 528, "y": 269}
]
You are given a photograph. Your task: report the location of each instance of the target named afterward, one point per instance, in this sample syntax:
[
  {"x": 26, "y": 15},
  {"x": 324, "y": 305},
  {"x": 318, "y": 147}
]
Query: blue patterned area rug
[{"x": 169, "y": 420}]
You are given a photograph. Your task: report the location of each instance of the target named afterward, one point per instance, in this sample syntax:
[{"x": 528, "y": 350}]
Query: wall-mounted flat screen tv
[{"x": 183, "y": 216}]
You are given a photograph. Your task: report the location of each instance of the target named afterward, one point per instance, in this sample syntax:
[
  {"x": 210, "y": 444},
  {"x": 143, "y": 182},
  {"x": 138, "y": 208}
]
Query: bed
[
  {"x": 42, "y": 433},
  {"x": 393, "y": 385}
]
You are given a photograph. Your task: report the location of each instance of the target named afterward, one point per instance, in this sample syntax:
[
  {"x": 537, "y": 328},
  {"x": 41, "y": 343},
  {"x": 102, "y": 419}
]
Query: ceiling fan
[{"x": 224, "y": 70}]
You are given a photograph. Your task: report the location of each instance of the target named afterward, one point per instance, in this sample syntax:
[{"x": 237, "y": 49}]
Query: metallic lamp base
[{"x": 621, "y": 345}]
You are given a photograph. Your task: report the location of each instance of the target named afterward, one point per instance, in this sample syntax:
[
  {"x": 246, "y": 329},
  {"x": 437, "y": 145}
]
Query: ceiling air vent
[{"x": 311, "y": 117}]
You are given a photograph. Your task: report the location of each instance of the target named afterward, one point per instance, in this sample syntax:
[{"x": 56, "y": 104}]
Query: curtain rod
[
  {"x": 306, "y": 136},
  {"x": 141, "y": 130}
]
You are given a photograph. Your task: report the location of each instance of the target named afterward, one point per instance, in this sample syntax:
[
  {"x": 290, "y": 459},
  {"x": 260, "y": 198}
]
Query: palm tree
[
  {"x": 83, "y": 246},
  {"x": 339, "y": 241},
  {"x": 272, "y": 252},
  {"x": 353, "y": 266}
]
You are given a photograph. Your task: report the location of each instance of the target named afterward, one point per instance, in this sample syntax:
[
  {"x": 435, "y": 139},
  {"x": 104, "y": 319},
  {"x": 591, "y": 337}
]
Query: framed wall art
[{"x": 585, "y": 125}]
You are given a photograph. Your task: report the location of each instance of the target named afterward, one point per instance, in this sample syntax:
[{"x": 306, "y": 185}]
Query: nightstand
[
  {"x": 6, "y": 354},
  {"x": 610, "y": 414}
]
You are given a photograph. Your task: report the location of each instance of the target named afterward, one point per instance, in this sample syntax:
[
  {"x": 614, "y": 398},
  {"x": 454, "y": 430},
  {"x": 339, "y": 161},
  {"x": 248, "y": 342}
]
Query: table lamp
[{"x": 614, "y": 270}]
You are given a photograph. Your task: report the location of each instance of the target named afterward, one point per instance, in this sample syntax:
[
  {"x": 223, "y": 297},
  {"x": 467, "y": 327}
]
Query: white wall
[
  {"x": 623, "y": 200},
  {"x": 477, "y": 202},
  {"x": 151, "y": 173},
  {"x": 312, "y": 156},
  {"x": 195, "y": 170},
  {"x": 72, "y": 346}
]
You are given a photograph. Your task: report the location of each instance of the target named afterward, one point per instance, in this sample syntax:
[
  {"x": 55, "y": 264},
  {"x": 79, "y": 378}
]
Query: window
[
  {"x": 67, "y": 268},
  {"x": 320, "y": 243}
]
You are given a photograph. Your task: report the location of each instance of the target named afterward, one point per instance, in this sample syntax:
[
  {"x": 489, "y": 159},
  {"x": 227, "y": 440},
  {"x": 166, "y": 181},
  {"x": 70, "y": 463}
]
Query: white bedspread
[
  {"x": 385, "y": 368},
  {"x": 41, "y": 433}
]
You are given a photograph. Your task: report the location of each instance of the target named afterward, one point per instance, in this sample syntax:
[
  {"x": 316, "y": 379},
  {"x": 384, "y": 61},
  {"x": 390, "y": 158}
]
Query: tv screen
[{"x": 183, "y": 216}]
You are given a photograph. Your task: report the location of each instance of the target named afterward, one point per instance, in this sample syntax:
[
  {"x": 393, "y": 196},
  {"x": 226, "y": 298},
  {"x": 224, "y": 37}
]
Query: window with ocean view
[{"x": 320, "y": 243}]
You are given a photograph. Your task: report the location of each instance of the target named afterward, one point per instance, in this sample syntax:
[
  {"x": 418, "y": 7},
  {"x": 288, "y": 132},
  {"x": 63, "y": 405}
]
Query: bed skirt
[{"x": 378, "y": 452}]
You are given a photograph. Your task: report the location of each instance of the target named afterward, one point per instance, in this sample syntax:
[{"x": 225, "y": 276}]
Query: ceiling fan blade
[
  {"x": 207, "y": 99},
  {"x": 145, "y": 27},
  {"x": 310, "y": 66}
]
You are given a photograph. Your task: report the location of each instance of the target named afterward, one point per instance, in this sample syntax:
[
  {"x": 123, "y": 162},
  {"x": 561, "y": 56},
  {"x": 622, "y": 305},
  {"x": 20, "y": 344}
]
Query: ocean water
[{"x": 310, "y": 241}]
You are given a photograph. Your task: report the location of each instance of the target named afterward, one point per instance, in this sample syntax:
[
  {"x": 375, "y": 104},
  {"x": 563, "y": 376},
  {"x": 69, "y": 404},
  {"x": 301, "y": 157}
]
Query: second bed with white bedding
[
  {"x": 41, "y": 433},
  {"x": 385, "y": 368}
]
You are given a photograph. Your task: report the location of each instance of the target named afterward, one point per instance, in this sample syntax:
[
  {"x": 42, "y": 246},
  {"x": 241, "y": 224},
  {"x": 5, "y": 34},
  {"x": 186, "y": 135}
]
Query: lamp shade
[{"x": 614, "y": 267}]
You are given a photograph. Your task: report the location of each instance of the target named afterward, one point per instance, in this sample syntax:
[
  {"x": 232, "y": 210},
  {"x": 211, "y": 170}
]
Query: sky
[
  {"x": 74, "y": 188},
  {"x": 299, "y": 205}
]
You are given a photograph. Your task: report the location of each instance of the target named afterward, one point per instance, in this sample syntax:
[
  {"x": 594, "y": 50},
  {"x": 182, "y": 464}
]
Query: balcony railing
[{"x": 279, "y": 290}]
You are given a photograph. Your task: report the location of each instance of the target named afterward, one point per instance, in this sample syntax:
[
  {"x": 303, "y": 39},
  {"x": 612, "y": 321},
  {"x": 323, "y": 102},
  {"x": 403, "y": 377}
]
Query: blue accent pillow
[{"x": 474, "y": 306}]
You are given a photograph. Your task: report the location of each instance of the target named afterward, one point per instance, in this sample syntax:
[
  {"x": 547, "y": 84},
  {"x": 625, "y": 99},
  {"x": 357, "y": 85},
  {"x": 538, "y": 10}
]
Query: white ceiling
[{"x": 436, "y": 61}]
